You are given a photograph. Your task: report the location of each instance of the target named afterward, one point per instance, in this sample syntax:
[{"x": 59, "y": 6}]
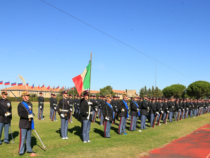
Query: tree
[
  {"x": 175, "y": 90},
  {"x": 199, "y": 89},
  {"x": 149, "y": 92},
  {"x": 141, "y": 92},
  {"x": 153, "y": 91},
  {"x": 107, "y": 90}
]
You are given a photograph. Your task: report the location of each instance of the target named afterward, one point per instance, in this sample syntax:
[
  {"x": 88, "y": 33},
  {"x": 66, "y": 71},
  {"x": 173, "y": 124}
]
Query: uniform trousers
[
  {"x": 64, "y": 127},
  {"x": 143, "y": 121},
  {"x": 107, "y": 127},
  {"x": 93, "y": 116},
  {"x": 158, "y": 118},
  {"x": 176, "y": 113},
  {"x": 164, "y": 116},
  {"x": 113, "y": 116},
  {"x": 152, "y": 117},
  {"x": 102, "y": 119},
  {"x": 170, "y": 116},
  {"x": 86, "y": 130},
  {"x": 187, "y": 111},
  {"x": 51, "y": 114},
  {"x": 183, "y": 113},
  {"x": 122, "y": 125},
  {"x": 195, "y": 112},
  {"x": 6, "y": 131},
  {"x": 25, "y": 134},
  {"x": 191, "y": 113},
  {"x": 133, "y": 123},
  {"x": 41, "y": 112}
]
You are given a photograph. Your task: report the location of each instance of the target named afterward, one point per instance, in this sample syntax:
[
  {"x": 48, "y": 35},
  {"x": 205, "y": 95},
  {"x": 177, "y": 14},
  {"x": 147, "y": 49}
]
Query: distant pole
[
  {"x": 90, "y": 72},
  {"x": 155, "y": 77}
]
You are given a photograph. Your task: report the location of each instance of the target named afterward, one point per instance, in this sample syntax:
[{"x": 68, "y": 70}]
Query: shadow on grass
[
  {"x": 100, "y": 132},
  {"x": 34, "y": 142},
  {"x": 78, "y": 131},
  {"x": 114, "y": 129},
  {"x": 59, "y": 131},
  {"x": 14, "y": 134}
]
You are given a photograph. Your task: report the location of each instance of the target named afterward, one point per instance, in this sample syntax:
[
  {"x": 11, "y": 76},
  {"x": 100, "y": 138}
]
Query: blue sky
[{"x": 48, "y": 47}]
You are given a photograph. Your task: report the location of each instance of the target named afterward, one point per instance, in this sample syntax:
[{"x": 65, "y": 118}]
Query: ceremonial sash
[
  {"x": 137, "y": 107},
  {"x": 126, "y": 107},
  {"x": 30, "y": 112},
  {"x": 110, "y": 107}
]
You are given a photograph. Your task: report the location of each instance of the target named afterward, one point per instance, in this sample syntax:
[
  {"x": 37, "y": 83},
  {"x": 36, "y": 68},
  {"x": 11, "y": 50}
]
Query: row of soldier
[{"x": 107, "y": 109}]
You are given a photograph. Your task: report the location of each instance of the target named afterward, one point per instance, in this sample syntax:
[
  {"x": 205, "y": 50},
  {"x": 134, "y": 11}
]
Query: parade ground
[{"x": 187, "y": 136}]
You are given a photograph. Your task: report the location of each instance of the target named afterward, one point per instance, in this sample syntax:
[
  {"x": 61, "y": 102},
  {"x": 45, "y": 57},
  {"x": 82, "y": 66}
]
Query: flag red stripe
[{"x": 78, "y": 83}]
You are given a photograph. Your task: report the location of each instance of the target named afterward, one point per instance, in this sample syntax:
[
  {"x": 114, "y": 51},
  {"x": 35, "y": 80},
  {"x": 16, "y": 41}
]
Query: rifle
[
  {"x": 185, "y": 114},
  {"x": 181, "y": 115},
  {"x": 40, "y": 113},
  {"x": 155, "y": 120},
  {"x": 166, "y": 118},
  {"x": 159, "y": 119}
]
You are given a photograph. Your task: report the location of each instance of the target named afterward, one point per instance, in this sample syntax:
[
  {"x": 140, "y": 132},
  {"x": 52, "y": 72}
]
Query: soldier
[
  {"x": 152, "y": 111},
  {"x": 171, "y": 109},
  {"x": 135, "y": 113},
  {"x": 108, "y": 116},
  {"x": 86, "y": 114},
  {"x": 177, "y": 110},
  {"x": 63, "y": 110},
  {"x": 115, "y": 108},
  {"x": 51, "y": 104},
  {"x": 123, "y": 109},
  {"x": 94, "y": 109},
  {"x": 159, "y": 109},
  {"x": 75, "y": 106},
  {"x": 26, "y": 124},
  {"x": 54, "y": 104},
  {"x": 103, "y": 102},
  {"x": 187, "y": 107},
  {"x": 165, "y": 110},
  {"x": 5, "y": 116},
  {"x": 71, "y": 105},
  {"x": 40, "y": 106},
  {"x": 144, "y": 112}
]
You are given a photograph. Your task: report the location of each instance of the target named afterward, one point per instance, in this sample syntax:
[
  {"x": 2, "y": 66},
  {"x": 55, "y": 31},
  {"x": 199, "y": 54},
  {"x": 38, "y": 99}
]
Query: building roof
[{"x": 22, "y": 88}]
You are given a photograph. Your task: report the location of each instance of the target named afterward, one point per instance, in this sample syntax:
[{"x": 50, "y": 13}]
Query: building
[
  {"x": 17, "y": 90},
  {"x": 117, "y": 92}
]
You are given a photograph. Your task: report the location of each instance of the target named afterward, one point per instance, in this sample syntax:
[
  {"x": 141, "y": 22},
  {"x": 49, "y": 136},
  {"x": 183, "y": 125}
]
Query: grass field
[{"x": 134, "y": 144}]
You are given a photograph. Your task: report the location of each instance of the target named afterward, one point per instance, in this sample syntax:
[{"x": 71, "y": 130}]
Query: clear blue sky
[{"x": 45, "y": 45}]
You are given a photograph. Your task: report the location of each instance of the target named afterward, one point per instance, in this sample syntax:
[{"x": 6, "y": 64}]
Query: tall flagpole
[{"x": 90, "y": 72}]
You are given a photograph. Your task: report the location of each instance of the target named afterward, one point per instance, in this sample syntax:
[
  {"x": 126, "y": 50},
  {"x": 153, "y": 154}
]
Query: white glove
[
  {"x": 70, "y": 109},
  {"x": 187, "y": 108},
  {"x": 107, "y": 118},
  {"x": 166, "y": 108},
  {"x": 167, "y": 111},
  {"x": 162, "y": 112},
  {"x": 90, "y": 103},
  {"x": 62, "y": 115},
  {"x": 179, "y": 109},
  {"x": 40, "y": 107},
  {"x": 122, "y": 110},
  {"x": 96, "y": 109},
  {"x": 88, "y": 117},
  {"x": 157, "y": 113},
  {"x": 30, "y": 116},
  {"x": 91, "y": 113},
  {"x": 206, "y": 107},
  {"x": 7, "y": 114},
  {"x": 183, "y": 109},
  {"x": 55, "y": 108}
]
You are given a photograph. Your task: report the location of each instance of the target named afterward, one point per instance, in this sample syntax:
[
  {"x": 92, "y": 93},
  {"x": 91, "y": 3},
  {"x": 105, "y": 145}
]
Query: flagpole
[{"x": 90, "y": 72}]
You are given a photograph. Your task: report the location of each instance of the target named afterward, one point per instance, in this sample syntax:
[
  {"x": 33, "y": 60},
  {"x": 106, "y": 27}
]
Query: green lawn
[{"x": 135, "y": 144}]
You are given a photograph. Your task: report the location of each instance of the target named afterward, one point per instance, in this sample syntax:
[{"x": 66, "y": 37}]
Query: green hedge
[{"x": 31, "y": 99}]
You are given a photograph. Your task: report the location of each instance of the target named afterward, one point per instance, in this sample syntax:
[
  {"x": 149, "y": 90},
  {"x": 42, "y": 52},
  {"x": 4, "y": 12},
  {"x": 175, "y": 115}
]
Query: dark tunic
[
  {"x": 23, "y": 113},
  {"x": 4, "y": 106}
]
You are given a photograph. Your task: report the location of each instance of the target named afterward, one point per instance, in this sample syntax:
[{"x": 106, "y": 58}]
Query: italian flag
[{"x": 82, "y": 81}]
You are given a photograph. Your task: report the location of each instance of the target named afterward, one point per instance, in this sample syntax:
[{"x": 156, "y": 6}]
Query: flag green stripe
[{"x": 86, "y": 83}]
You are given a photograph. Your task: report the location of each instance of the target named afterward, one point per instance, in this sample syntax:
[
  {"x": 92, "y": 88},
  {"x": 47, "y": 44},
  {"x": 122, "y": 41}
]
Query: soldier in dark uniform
[
  {"x": 71, "y": 105},
  {"x": 54, "y": 104},
  {"x": 187, "y": 107},
  {"x": 63, "y": 109},
  {"x": 165, "y": 109},
  {"x": 135, "y": 113},
  {"x": 75, "y": 106},
  {"x": 108, "y": 116},
  {"x": 40, "y": 106},
  {"x": 94, "y": 109},
  {"x": 51, "y": 105},
  {"x": 152, "y": 111},
  {"x": 115, "y": 108},
  {"x": 170, "y": 109},
  {"x": 5, "y": 116},
  {"x": 144, "y": 112},
  {"x": 86, "y": 113},
  {"x": 177, "y": 109},
  {"x": 101, "y": 108},
  {"x": 26, "y": 123},
  {"x": 123, "y": 109}
]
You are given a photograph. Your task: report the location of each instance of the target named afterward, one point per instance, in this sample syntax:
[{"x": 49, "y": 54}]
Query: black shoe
[
  {"x": 21, "y": 154},
  {"x": 31, "y": 152},
  {"x": 0, "y": 143},
  {"x": 7, "y": 142}
]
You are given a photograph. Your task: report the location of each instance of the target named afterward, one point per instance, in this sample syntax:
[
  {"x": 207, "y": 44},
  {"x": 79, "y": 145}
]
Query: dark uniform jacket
[
  {"x": 176, "y": 107},
  {"x": 144, "y": 107},
  {"x": 108, "y": 112},
  {"x": 63, "y": 108},
  {"x": 84, "y": 109},
  {"x": 54, "y": 102},
  {"x": 51, "y": 102},
  {"x": 152, "y": 108},
  {"x": 122, "y": 106},
  {"x": 165, "y": 107},
  {"x": 23, "y": 113},
  {"x": 41, "y": 101},
  {"x": 134, "y": 109},
  {"x": 5, "y": 104}
]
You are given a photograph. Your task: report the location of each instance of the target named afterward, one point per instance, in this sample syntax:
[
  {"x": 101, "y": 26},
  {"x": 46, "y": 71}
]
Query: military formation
[{"x": 108, "y": 109}]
